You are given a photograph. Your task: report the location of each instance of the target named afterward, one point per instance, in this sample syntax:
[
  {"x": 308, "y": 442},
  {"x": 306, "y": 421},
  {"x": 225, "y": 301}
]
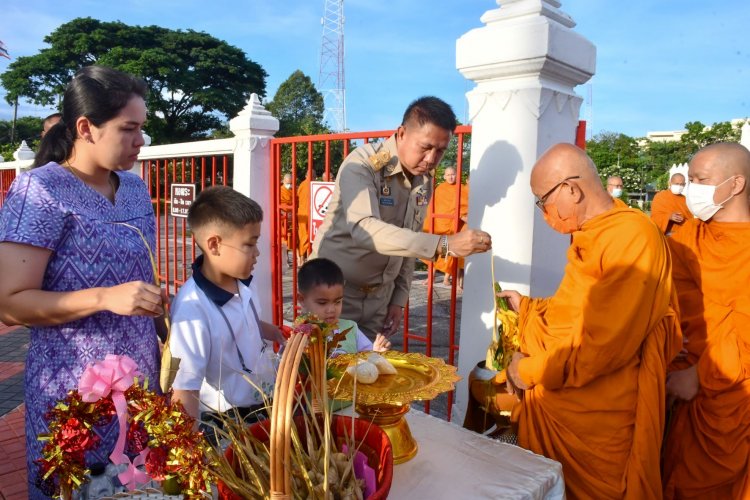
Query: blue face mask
[{"x": 616, "y": 192}]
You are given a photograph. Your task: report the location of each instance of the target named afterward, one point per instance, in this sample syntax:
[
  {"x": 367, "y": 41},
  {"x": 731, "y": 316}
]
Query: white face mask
[
  {"x": 700, "y": 200},
  {"x": 616, "y": 192},
  {"x": 287, "y": 185},
  {"x": 676, "y": 188}
]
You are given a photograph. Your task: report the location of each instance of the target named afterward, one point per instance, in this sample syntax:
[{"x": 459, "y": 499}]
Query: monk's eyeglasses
[{"x": 543, "y": 199}]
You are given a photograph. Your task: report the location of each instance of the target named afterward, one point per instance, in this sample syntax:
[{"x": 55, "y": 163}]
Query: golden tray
[
  {"x": 419, "y": 378},
  {"x": 386, "y": 400}
]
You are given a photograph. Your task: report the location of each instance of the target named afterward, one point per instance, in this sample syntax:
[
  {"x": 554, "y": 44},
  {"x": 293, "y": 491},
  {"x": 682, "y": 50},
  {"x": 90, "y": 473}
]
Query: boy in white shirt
[
  {"x": 216, "y": 328},
  {"x": 320, "y": 291}
]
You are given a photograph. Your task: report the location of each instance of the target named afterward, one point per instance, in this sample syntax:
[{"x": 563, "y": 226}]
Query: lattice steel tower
[{"x": 331, "y": 77}]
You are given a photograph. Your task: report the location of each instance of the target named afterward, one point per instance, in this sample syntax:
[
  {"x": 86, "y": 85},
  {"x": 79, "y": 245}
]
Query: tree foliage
[
  {"x": 644, "y": 164},
  {"x": 28, "y": 128},
  {"x": 299, "y": 107},
  {"x": 196, "y": 81}
]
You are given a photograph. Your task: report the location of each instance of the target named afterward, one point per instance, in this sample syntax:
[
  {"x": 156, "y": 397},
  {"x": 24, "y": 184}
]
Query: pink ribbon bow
[
  {"x": 115, "y": 374},
  {"x": 132, "y": 476}
]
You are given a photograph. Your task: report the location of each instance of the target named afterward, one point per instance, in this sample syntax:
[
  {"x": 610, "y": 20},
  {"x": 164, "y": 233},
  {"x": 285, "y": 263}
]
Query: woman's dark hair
[{"x": 97, "y": 92}]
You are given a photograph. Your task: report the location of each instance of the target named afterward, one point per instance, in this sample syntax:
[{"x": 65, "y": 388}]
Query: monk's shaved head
[
  {"x": 287, "y": 178},
  {"x": 677, "y": 179},
  {"x": 730, "y": 158},
  {"x": 562, "y": 161},
  {"x": 725, "y": 165},
  {"x": 566, "y": 178}
]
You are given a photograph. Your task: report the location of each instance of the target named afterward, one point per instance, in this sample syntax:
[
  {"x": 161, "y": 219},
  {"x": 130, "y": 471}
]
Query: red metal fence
[
  {"x": 317, "y": 154},
  {"x": 175, "y": 248},
  {"x": 6, "y": 179}
]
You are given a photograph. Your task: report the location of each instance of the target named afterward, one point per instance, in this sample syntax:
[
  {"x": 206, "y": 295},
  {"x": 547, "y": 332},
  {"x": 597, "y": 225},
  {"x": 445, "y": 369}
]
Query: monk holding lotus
[
  {"x": 708, "y": 443},
  {"x": 592, "y": 369}
]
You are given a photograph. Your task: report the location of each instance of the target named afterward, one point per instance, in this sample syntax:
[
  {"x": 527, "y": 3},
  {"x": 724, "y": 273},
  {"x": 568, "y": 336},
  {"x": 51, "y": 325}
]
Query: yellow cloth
[
  {"x": 303, "y": 218},
  {"x": 664, "y": 205},
  {"x": 445, "y": 204},
  {"x": 598, "y": 354},
  {"x": 708, "y": 445}
]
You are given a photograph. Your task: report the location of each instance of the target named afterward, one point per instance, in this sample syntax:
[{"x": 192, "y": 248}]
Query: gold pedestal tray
[{"x": 386, "y": 401}]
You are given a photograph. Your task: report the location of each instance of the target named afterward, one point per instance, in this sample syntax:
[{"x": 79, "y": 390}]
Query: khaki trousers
[{"x": 367, "y": 308}]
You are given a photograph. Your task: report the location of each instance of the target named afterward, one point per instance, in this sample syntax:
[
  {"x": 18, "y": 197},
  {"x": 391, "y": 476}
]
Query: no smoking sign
[{"x": 321, "y": 194}]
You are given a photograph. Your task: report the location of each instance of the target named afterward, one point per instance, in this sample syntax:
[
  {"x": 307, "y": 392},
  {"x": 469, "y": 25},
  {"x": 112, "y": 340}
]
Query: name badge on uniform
[{"x": 388, "y": 202}]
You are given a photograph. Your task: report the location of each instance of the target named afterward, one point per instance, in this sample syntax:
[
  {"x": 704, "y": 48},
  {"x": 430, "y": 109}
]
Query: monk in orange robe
[
  {"x": 707, "y": 453},
  {"x": 445, "y": 197},
  {"x": 303, "y": 219},
  {"x": 669, "y": 210},
  {"x": 592, "y": 369},
  {"x": 285, "y": 199}
]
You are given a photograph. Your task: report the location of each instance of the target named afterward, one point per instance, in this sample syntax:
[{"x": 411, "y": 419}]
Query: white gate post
[
  {"x": 254, "y": 127},
  {"x": 526, "y": 61}
]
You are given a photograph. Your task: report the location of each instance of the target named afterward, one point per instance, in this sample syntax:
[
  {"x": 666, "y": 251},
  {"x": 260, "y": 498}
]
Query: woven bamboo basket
[{"x": 278, "y": 430}]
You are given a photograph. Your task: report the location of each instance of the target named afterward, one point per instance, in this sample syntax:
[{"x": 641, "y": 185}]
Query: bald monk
[
  {"x": 614, "y": 186},
  {"x": 285, "y": 199},
  {"x": 669, "y": 210},
  {"x": 446, "y": 196},
  {"x": 593, "y": 363},
  {"x": 708, "y": 443},
  {"x": 303, "y": 219}
]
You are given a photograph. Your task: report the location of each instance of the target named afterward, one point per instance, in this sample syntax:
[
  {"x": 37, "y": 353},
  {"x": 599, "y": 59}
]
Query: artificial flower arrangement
[
  {"x": 158, "y": 433},
  {"x": 303, "y": 450}
]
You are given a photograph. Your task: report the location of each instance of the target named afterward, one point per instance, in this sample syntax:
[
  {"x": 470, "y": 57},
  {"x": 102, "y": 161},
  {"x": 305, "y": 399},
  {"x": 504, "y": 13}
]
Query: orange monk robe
[
  {"x": 303, "y": 218},
  {"x": 664, "y": 205},
  {"x": 598, "y": 354},
  {"x": 708, "y": 444},
  {"x": 285, "y": 198},
  {"x": 445, "y": 204}
]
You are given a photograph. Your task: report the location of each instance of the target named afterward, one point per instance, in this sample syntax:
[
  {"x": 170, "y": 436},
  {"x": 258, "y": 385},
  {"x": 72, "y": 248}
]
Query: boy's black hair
[
  {"x": 430, "y": 109},
  {"x": 223, "y": 205},
  {"x": 316, "y": 272}
]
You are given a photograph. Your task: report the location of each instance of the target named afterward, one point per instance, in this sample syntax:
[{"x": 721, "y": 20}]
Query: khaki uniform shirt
[{"x": 373, "y": 227}]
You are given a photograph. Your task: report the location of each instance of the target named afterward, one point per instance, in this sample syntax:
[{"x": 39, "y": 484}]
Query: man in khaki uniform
[{"x": 373, "y": 227}]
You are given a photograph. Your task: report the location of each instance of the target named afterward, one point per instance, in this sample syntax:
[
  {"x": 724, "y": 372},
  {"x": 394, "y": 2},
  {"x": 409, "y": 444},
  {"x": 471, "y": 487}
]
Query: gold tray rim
[{"x": 444, "y": 380}]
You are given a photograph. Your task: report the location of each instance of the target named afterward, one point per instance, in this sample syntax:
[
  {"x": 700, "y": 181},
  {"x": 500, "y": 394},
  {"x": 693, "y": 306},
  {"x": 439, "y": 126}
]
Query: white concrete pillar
[
  {"x": 254, "y": 127},
  {"x": 525, "y": 62}
]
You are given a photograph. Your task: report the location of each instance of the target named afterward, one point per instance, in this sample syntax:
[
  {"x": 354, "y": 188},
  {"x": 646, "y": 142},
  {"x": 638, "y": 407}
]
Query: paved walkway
[
  {"x": 14, "y": 345},
  {"x": 14, "y": 342}
]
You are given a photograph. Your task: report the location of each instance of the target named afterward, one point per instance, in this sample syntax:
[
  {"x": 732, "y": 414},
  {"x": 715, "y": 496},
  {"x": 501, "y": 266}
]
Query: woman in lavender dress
[{"x": 73, "y": 264}]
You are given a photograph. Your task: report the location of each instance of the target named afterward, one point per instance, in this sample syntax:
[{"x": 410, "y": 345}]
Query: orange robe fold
[
  {"x": 285, "y": 222},
  {"x": 708, "y": 444},
  {"x": 664, "y": 205},
  {"x": 303, "y": 218},
  {"x": 598, "y": 352},
  {"x": 445, "y": 204}
]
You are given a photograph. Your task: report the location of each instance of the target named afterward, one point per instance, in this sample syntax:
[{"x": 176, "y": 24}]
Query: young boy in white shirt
[
  {"x": 216, "y": 328},
  {"x": 320, "y": 291}
]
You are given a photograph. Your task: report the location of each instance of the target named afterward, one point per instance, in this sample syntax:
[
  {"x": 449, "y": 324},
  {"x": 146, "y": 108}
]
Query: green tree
[
  {"x": 698, "y": 135},
  {"x": 196, "y": 81},
  {"x": 299, "y": 107},
  {"x": 28, "y": 128}
]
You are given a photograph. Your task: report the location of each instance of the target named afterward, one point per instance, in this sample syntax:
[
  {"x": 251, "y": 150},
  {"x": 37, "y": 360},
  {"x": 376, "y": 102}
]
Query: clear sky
[{"x": 660, "y": 63}]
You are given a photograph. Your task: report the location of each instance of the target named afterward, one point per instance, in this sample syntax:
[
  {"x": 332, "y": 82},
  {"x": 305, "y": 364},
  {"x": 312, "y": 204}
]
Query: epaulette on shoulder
[{"x": 380, "y": 159}]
